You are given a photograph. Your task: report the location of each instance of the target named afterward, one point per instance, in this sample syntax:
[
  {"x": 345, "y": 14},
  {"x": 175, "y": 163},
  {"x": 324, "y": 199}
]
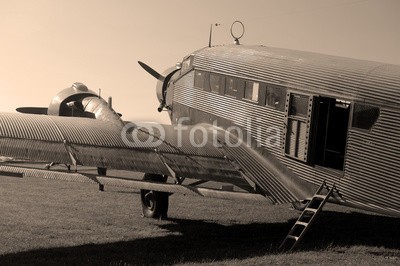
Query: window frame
[
  {"x": 220, "y": 82},
  {"x": 237, "y": 89},
  {"x": 282, "y": 93},
  {"x": 205, "y": 80},
  {"x": 252, "y": 91}
]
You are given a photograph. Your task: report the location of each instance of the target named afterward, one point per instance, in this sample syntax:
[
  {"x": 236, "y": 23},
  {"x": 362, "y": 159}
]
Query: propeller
[
  {"x": 151, "y": 71},
  {"x": 32, "y": 110},
  {"x": 162, "y": 84}
]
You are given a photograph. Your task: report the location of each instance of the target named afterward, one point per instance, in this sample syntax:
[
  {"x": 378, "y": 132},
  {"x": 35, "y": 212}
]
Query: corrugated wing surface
[{"x": 97, "y": 143}]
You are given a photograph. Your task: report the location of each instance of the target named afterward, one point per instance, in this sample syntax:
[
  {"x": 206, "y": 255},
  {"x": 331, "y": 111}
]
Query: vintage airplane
[{"x": 281, "y": 125}]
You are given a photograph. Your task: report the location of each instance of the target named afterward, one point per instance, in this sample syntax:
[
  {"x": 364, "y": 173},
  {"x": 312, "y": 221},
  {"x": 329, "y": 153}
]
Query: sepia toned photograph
[{"x": 199, "y": 132}]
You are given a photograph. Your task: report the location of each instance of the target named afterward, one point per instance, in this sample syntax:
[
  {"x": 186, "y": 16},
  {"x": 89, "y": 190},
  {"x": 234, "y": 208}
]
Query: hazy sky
[{"x": 46, "y": 45}]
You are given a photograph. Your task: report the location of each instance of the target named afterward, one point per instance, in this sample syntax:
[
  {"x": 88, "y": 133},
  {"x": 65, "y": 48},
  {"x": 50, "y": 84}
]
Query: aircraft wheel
[
  {"x": 154, "y": 203},
  {"x": 102, "y": 171}
]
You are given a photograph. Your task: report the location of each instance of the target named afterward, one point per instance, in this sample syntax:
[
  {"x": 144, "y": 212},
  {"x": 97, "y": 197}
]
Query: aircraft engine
[
  {"x": 77, "y": 101},
  {"x": 68, "y": 102}
]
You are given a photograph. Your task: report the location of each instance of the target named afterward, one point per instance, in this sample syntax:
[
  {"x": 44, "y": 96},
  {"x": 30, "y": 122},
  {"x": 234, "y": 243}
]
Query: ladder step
[
  {"x": 320, "y": 197},
  {"x": 302, "y": 223},
  {"x": 310, "y": 210},
  {"x": 292, "y": 237},
  {"x": 308, "y": 215}
]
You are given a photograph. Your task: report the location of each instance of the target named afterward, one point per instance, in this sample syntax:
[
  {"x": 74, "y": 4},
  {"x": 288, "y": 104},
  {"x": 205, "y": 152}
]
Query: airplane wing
[{"x": 200, "y": 152}]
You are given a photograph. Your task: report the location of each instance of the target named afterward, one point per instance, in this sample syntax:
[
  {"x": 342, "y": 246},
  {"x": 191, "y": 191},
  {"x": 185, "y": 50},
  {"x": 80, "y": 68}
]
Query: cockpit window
[
  {"x": 364, "y": 116},
  {"x": 186, "y": 64}
]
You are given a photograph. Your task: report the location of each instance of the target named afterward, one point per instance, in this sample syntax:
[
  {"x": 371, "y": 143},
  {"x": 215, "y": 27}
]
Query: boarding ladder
[{"x": 307, "y": 217}]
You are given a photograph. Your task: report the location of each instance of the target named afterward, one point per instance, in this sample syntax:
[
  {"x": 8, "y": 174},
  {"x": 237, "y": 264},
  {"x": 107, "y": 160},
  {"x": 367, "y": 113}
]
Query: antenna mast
[{"x": 209, "y": 40}]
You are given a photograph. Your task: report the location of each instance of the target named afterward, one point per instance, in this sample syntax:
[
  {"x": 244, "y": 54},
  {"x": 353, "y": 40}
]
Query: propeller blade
[
  {"x": 32, "y": 110},
  {"x": 152, "y": 71}
]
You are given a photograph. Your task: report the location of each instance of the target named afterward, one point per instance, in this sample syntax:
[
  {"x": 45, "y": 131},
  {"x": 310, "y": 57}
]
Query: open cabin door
[
  {"x": 316, "y": 129},
  {"x": 297, "y": 125},
  {"x": 330, "y": 129}
]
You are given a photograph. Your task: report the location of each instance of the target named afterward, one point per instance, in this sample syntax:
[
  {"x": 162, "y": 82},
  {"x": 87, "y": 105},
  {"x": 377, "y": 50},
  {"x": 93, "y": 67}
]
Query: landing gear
[
  {"x": 154, "y": 203},
  {"x": 102, "y": 171}
]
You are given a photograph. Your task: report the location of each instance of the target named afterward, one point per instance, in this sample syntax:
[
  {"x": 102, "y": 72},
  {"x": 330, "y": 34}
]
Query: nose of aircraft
[{"x": 162, "y": 84}]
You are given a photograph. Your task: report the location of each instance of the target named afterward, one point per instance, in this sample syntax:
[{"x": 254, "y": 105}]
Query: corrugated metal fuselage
[{"x": 324, "y": 141}]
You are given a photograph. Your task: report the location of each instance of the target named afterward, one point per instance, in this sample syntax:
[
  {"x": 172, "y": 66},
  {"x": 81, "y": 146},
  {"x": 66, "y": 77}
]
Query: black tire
[{"x": 154, "y": 203}]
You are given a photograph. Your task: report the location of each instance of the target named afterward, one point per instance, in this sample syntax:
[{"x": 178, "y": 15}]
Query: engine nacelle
[
  {"x": 79, "y": 101},
  {"x": 60, "y": 105}
]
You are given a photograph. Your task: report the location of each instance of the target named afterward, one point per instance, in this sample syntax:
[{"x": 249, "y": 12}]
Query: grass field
[{"x": 48, "y": 222}]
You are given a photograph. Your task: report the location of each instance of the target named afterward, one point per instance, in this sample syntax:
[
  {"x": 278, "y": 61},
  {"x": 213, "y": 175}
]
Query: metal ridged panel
[
  {"x": 187, "y": 190},
  {"x": 151, "y": 162},
  {"x": 98, "y": 143},
  {"x": 37, "y": 127},
  {"x": 92, "y": 132},
  {"x": 349, "y": 77},
  {"x": 214, "y": 169},
  {"x": 118, "y": 158},
  {"x": 261, "y": 175},
  {"x": 133, "y": 184},
  {"x": 373, "y": 172},
  {"x": 179, "y": 140},
  {"x": 270, "y": 175},
  {"x": 31, "y": 172},
  {"x": 242, "y": 113},
  {"x": 89, "y": 131},
  {"x": 33, "y": 149}
]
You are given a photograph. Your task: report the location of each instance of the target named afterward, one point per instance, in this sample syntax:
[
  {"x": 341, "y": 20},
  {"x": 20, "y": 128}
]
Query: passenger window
[
  {"x": 251, "y": 91},
  {"x": 216, "y": 82},
  {"x": 276, "y": 97},
  {"x": 364, "y": 116},
  {"x": 201, "y": 79},
  {"x": 231, "y": 87}
]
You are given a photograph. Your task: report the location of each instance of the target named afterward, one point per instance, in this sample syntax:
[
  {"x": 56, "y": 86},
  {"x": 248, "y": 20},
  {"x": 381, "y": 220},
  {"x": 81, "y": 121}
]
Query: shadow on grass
[{"x": 199, "y": 241}]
